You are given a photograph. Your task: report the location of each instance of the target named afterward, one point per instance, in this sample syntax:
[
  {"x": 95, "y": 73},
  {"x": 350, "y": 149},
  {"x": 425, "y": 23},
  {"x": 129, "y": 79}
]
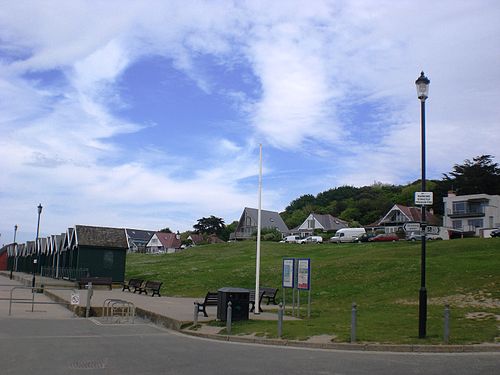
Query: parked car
[
  {"x": 365, "y": 237},
  {"x": 311, "y": 239},
  {"x": 418, "y": 237},
  {"x": 495, "y": 233},
  {"x": 385, "y": 237}
]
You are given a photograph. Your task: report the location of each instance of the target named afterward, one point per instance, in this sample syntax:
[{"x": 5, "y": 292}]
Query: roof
[
  {"x": 412, "y": 214},
  {"x": 168, "y": 240},
  {"x": 330, "y": 222},
  {"x": 139, "y": 234},
  {"x": 196, "y": 238},
  {"x": 101, "y": 237},
  {"x": 269, "y": 219}
]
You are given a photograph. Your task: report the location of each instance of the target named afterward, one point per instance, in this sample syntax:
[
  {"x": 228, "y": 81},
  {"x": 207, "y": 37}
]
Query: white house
[
  {"x": 471, "y": 213},
  {"x": 326, "y": 223}
]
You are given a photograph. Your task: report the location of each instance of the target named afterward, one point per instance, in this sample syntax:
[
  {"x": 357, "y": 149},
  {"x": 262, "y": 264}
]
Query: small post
[
  {"x": 89, "y": 296},
  {"x": 195, "y": 316},
  {"x": 229, "y": 317},
  {"x": 353, "y": 322},
  {"x": 280, "y": 320},
  {"x": 446, "y": 334}
]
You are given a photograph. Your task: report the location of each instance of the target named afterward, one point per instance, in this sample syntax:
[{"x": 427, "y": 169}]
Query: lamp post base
[{"x": 422, "y": 313}]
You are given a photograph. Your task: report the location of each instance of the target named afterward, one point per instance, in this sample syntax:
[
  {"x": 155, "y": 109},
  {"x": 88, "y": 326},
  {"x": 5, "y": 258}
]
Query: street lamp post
[
  {"x": 15, "y": 253},
  {"x": 35, "y": 261},
  {"x": 422, "y": 84}
]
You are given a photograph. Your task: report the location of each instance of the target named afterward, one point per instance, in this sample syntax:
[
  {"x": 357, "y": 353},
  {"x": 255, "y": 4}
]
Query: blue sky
[{"x": 151, "y": 116}]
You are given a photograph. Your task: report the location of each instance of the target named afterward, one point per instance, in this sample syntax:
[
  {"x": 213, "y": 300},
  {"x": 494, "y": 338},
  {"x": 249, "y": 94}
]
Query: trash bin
[{"x": 240, "y": 299}]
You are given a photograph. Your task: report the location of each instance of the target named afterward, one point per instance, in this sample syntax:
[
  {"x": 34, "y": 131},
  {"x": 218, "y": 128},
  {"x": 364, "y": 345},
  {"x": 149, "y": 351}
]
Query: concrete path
[{"x": 171, "y": 312}]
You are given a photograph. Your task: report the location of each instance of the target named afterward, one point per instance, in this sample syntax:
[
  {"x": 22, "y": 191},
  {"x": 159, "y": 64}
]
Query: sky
[{"x": 149, "y": 115}]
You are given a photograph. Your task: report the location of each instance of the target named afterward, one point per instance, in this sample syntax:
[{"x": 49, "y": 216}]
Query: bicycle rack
[{"x": 118, "y": 311}]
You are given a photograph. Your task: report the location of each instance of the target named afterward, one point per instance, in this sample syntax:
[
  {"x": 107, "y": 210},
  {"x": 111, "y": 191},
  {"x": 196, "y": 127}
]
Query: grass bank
[{"x": 382, "y": 278}]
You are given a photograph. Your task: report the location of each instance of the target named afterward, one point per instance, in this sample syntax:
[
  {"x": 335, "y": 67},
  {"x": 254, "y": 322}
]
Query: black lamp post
[
  {"x": 422, "y": 84},
  {"x": 15, "y": 253},
  {"x": 35, "y": 261}
]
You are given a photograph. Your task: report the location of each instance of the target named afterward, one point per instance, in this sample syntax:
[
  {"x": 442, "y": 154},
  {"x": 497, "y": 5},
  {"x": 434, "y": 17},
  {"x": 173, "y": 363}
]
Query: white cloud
[{"x": 317, "y": 67}]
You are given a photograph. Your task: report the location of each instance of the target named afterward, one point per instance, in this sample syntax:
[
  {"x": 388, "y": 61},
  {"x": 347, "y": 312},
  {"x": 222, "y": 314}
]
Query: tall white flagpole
[{"x": 259, "y": 223}]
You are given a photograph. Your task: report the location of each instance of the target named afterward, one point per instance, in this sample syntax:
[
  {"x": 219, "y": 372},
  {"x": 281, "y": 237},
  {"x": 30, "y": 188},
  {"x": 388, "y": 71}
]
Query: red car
[{"x": 385, "y": 237}]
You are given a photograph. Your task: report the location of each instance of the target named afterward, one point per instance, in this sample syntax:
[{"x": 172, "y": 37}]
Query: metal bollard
[
  {"x": 353, "y": 322},
  {"x": 229, "y": 317},
  {"x": 280, "y": 320},
  {"x": 446, "y": 334},
  {"x": 195, "y": 316},
  {"x": 89, "y": 296}
]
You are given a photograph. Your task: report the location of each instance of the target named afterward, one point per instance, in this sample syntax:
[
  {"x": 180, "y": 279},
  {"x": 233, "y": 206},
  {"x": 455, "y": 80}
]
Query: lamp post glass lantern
[{"x": 422, "y": 84}]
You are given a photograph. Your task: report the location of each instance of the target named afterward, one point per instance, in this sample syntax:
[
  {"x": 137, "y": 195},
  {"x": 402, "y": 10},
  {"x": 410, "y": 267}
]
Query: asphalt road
[{"x": 79, "y": 346}]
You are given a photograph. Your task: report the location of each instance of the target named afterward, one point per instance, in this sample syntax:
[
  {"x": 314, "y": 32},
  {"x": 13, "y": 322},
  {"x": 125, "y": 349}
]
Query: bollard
[
  {"x": 353, "y": 322},
  {"x": 195, "y": 316},
  {"x": 446, "y": 334},
  {"x": 89, "y": 296},
  {"x": 280, "y": 320},
  {"x": 229, "y": 317}
]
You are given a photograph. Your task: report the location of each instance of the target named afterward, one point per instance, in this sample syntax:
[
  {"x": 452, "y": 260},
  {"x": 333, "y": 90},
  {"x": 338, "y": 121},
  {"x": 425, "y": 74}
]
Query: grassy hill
[{"x": 382, "y": 278}]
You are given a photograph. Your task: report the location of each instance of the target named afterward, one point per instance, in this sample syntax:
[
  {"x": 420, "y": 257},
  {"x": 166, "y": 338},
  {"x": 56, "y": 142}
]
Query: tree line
[{"x": 365, "y": 205}]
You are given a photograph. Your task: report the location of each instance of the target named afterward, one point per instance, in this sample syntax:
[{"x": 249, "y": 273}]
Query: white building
[{"x": 471, "y": 213}]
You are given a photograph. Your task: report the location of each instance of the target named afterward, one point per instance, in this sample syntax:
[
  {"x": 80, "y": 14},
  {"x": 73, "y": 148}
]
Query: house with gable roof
[
  {"x": 247, "y": 224},
  {"x": 164, "y": 243},
  {"x": 399, "y": 215},
  {"x": 325, "y": 223},
  {"x": 138, "y": 239}
]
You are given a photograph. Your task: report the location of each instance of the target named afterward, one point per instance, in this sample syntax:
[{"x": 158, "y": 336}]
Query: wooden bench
[
  {"x": 132, "y": 283},
  {"x": 211, "y": 299},
  {"x": 252, "y": 299},
  {"x": 270, "y": 294},
  {"x": 153, "y": 286},
  {"x": 95, "y": 281}
]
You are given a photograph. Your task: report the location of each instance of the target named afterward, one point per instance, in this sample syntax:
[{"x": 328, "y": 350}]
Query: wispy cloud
[{"x": 331, "y": 82}]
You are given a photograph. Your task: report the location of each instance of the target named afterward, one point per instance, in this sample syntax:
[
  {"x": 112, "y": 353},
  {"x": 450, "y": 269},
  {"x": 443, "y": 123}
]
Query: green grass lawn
[{"x": 382, "y": 278}]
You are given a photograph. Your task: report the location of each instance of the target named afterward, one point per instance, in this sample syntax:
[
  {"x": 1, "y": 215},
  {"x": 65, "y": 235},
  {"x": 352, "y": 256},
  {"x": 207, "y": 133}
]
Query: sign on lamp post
[{"x": 424, "y": 198}]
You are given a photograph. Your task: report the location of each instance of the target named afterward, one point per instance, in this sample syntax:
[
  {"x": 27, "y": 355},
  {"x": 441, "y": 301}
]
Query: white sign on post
[
  {"x": 411, "y": 227},
  {"x": 75, "y": 299},
  {"x": 423, "y": 198}
]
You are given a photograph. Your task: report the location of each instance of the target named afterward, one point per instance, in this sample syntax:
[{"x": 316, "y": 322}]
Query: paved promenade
[{"x": 171, "y": 312}]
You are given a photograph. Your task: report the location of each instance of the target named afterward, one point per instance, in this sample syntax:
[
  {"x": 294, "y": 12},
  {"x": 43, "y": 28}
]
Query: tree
[
  {"x": 481, "y": 175},
  {"x": 165, "y": 230},
  {"x": 210, "y": 225}
]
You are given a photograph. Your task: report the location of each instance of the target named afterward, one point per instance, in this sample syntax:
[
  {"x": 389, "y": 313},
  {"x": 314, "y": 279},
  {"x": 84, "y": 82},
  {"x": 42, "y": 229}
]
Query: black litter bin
[{"x": 240, "y": 299}]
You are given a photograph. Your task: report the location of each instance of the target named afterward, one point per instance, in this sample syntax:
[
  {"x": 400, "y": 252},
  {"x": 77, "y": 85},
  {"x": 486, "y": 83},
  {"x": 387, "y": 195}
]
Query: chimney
[{"x": 451, "y": 193}]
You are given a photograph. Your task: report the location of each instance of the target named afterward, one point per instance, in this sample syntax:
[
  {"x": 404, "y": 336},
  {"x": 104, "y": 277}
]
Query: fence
[{"x": 64, "y": 273}]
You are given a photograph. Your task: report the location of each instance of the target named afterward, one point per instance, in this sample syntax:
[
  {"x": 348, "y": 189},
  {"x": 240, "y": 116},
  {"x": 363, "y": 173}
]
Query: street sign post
[
  {"x": 431, "y": 229},
  {"x": 411, "y": 227},
  {"x": 423, "y": 198}
]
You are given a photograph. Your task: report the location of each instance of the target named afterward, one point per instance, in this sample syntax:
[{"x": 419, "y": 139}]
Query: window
[
  {"x": 459, "y": 207},
  {"x": 457, "y": 224},
  {"x": 476, "y": 223},
  {"x": 310, "y": 223}
]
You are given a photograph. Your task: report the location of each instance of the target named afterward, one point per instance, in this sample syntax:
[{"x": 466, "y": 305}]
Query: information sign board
[
  {"x": 304, "y": 274},
  {"x": 288, "y": 272},
  {"x": 424, "y": 198}
]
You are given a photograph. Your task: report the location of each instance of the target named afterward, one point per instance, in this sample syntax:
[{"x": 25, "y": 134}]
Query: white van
[
  {"x": 291, "y": 239},
  {"x": 347, "y": 235}
]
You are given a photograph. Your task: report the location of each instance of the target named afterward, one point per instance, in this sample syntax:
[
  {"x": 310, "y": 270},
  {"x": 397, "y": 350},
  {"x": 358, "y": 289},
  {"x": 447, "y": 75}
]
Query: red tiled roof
[{"x": 168, "y": 240}]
